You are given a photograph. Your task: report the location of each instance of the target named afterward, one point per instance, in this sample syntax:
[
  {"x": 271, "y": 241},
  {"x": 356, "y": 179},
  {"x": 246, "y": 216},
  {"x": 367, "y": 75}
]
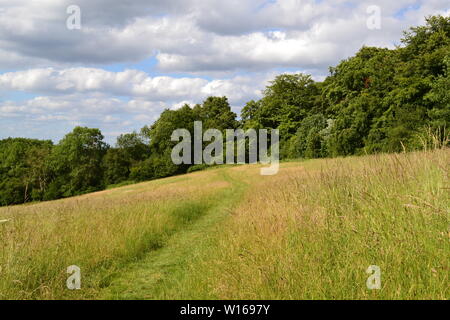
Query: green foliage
[
  {"x": 131, "y": 151},
  {"x": 215, "y": 113},
  {"x": 287, "y": 100},
  {"x": 77, "y": 162},
  {"x": 159, "y": 134},
  {"x": 311, "y": 138},
  {"x": 439, "y": 96},
  {"x": 155, "y": 167},
  {"x": 133, "y": 146},
  {"x": 380, "y": 100},
  {"x": 116, "y": 166},
  {"x": 23, "y": 171}
]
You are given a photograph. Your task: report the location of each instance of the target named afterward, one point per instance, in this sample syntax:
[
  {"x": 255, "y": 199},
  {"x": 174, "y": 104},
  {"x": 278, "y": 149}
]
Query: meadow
[{"x": 309, "y": 232}]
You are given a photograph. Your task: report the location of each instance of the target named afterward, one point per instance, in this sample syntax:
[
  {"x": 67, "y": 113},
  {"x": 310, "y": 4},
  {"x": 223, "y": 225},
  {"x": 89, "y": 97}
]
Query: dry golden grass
[
  {"x": 309, "y": 232},
  {"x": 97, "y": 232}
]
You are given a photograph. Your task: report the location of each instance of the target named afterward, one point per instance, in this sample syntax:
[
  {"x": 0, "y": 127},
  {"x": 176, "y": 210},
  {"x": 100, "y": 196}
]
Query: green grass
[
  {"x": 161, "y": 273},
  {"x": 309, "y": 232}
]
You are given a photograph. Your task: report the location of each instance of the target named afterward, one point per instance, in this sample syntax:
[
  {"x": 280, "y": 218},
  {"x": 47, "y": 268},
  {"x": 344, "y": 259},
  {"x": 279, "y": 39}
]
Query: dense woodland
[{"x": 380, "y": 100}]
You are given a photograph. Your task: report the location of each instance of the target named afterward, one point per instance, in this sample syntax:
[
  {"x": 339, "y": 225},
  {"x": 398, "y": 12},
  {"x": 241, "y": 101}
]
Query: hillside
[{"x": 309, "y": 232}]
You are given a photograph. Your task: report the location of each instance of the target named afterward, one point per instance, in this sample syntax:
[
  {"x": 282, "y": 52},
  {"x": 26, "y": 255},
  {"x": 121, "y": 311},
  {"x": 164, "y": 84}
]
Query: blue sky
[{"x": 131, "y": 59}]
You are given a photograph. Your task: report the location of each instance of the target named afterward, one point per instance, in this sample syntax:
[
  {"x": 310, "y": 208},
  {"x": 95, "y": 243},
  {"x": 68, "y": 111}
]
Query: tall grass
[
  {"x": 312, "y": 231},
  {"x": 309, "y": 232},
  {"x": 100, "y": 233}
]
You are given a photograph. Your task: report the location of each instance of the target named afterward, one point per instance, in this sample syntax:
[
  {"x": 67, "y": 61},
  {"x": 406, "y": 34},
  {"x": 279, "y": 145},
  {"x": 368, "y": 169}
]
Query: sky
[{"x": 117, "y": 64}]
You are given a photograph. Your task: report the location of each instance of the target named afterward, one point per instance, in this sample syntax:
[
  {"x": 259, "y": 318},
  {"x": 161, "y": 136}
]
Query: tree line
[{"x": 380, "y": 100}]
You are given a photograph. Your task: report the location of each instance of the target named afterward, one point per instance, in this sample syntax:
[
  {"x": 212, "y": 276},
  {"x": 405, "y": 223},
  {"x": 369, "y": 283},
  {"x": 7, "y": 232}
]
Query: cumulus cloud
[
  {"x": 62, "y": 113},
  {"x": 124, "y": 100},
  {"x": 200, "y": 48},
  {"x": 130, "y": 83},
  {"x": 196, "y": 36}
]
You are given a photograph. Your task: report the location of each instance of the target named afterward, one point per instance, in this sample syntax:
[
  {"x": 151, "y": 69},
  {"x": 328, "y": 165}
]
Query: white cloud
[
  {"x": 129, "y": 83},
  {"x": 200, "y": 36},
  {"x": 112, "y": 101},
  {"x": 201, "y": 48}
]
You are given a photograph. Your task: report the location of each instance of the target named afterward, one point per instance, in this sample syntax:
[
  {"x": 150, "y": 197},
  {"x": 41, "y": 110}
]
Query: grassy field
[{"x": 309, "y": 232}]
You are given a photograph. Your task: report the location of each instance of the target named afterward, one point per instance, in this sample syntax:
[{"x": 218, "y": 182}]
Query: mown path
[{"x": 160, "y": 274}]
